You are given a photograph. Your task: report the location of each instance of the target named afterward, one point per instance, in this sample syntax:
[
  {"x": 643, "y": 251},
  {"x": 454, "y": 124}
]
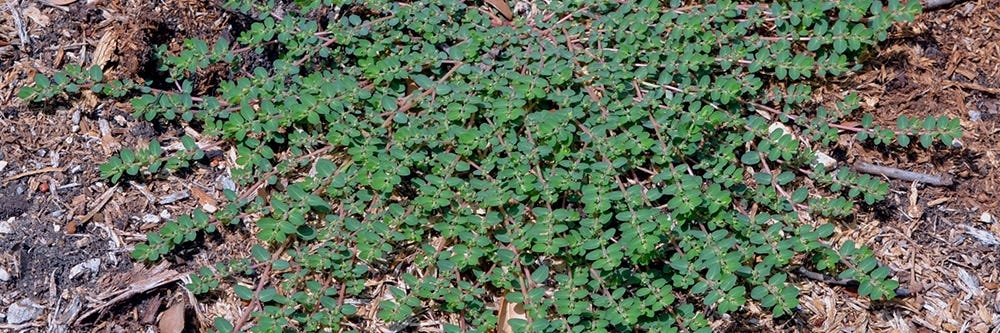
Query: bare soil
[{"x": 57, "y": 216}]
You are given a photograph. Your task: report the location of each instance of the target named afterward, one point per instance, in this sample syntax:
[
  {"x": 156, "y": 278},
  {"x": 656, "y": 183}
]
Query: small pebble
[
  {"x": 209, "y": 208},
  {"x": 975, "y": 115},
  {"x": 90, "y": 265},
  {"x": 104, "y": 127},
  {"x": 226, "y": 183},
  {"x": 4, "y": 275},
  {"x": 23, "y": 311},
  {"x": 779, "y": 127},
  {"x": 5, "y": 226},
  {"x": 825, "y": 160},
  {"x": 969, "y": 7},
  {"x": 150, "y": 218},
  {"x": 987, "y": 218},
  {"x": 82, "y": 242}
]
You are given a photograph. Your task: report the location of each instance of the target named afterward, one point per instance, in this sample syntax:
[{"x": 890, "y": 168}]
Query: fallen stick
[
  {"x": 910, "y": 176},
  {"x": 935, "y": 4},
  {"x": 900, "y": 291},
  {"x": 32, "y": 172}
]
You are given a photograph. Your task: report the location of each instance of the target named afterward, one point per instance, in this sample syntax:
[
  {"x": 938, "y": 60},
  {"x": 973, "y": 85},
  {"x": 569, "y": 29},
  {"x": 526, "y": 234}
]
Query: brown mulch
[
  {"x": 946, "y": 63},
  {"x": 60, "y": 220},
  {"x": 53, "y": 221}
]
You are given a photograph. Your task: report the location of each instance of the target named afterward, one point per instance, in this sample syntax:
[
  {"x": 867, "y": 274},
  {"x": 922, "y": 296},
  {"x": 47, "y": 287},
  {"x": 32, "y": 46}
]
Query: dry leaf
[
  {"x": 508, "y": 311},
  {"x": 203, "y": 198},
  {"x": 148, "y": 315},
  {"x": 105, "y": 48},
  {"x": 914, "y": 211},
  {"x": 938, "y": 201},
  {"x": 172, "y": 320},
  {"x": 503, "y": 7},
  {"x": 36, "y": 15},
  {"x": 60, "y": 2}
]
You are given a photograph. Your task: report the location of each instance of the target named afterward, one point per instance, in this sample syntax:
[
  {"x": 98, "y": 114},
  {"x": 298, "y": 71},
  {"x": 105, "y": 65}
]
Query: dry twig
[
  {"x": 900, "y": 292},
  {"x": 935, "y": 4},
  {"x": 72, "y": 225},
  {"x": 14, "y": 6},
  {"x": 32, "y": 172},
  {"x": 910, "y": 176}
]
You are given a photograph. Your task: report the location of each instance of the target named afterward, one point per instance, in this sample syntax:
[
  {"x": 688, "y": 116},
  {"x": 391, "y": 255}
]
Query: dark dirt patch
[
  {"x": 46, "y": 258},
  {"x": 13, "y": 206}
]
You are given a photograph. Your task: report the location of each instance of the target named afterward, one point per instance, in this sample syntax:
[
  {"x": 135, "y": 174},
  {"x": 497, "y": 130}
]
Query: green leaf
[
  {"x": 785, "y": 177},
  {"x": 155, "y": 149},
  {"x": 750, "y": 158},
  {"x": 41, "y": 81},
  {"x": 926, "y": 140},
  {"x": 866, "y": 120},
  {"x": 223, "y": 325},
  {"x": 260, "y": 253},
  {"x": 243, "y": 292},
  {"x": 902, "y": 122},
  {"x": 96, "y": 73},
  {"x": 826, "y": 230},
  {"x": 127, "y": 156},
  {"x": 280, "y": 265},
  {"x": 541, "y": 274},
  {"x": 903, "y": 139},
  {"x": 866, "y": 289},
  {"x": 867, "y": 265},
  {"x": 762, "y": 178},
  {"x": 800, "y": 195},
  {"x": 141, "y": 251},
  {"x": 929, "y": 123},
  {"x": 880, "y": 273},
  {"x": 267, "y": 294}
]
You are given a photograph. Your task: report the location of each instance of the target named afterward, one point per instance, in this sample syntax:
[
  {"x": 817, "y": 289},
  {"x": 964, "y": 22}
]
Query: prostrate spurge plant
[{"x": 609, "y": 166}]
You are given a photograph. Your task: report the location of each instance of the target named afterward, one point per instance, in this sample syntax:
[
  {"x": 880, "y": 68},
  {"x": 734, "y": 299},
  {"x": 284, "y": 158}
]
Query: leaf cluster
[{"x": 606, "y": 165}]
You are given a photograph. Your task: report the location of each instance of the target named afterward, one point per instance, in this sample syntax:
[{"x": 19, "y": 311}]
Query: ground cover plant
[{"x": 609, "y": 166}]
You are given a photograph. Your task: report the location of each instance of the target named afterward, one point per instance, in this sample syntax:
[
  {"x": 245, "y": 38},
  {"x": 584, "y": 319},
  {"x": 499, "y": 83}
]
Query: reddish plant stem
[{"x": 264, "y": 280}]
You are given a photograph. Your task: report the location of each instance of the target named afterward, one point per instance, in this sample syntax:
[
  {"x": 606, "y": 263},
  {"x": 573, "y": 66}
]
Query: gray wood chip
[{"x": 174, "y": 197}]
